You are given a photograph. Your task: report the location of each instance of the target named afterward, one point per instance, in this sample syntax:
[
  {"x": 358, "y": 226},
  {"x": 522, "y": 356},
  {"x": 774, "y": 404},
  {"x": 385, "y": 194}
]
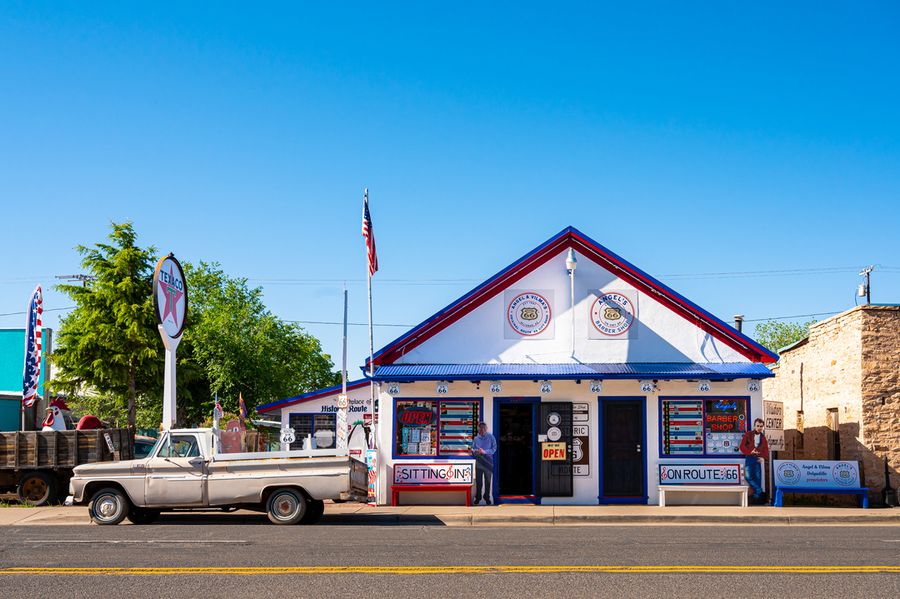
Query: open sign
[
  {"x": 416, "y": 416},
  {"x": 553, "y": 451}
]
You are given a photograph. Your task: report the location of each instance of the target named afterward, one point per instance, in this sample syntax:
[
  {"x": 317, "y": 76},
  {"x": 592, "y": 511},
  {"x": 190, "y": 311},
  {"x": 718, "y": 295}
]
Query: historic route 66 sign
[
  {"x": 752, "y": 386},
  {"x": 342, "y": 401},
  {"x": 393, "y": 389},
  {"x": 287, "y": 436},
  {"x": 496, "y": 387},
  {"x": 703, "y": 386},
  {"x": 647, "y": 387},
  {"x": 596, "y": 386},
  {"x": 442, "y": 388},
  {"x": 546, "y": 387}
]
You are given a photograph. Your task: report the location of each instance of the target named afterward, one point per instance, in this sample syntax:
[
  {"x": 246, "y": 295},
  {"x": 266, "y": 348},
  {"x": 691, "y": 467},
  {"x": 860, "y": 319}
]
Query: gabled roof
[
  {"x": 317, "y": 394},
  {"x": 571, "y": 237},
  {"x": 632, "y": 370}
]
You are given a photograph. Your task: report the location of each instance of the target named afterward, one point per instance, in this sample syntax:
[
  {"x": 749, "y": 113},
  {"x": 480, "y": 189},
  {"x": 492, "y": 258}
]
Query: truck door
[{"x": 175, "y": 475}]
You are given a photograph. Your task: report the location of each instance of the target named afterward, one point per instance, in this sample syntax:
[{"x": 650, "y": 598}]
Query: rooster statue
[{"x": 55, "y": 420}]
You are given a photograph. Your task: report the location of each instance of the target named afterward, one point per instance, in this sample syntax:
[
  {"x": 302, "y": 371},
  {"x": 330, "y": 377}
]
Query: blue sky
[{"x": 701, "y": 138}]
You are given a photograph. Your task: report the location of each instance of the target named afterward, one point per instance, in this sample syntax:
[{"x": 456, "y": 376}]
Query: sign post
[{"x": 170, "y": 300}]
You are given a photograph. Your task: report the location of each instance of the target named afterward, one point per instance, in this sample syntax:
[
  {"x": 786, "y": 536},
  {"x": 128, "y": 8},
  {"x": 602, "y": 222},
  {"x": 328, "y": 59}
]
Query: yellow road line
[{"x": 418, "y": 570}]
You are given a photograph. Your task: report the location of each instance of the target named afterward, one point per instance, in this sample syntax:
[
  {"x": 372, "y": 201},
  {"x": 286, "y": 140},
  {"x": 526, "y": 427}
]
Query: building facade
[
  {"x": 840, "y": 387},
  {"x": 591, "y": 375}
]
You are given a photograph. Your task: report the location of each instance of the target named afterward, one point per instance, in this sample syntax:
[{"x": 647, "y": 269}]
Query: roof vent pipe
[{"x": 739, "y": 322}]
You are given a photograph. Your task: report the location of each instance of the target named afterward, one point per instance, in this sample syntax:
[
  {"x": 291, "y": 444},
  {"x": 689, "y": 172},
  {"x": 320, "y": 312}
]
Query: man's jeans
[
  {"x": 753, "y": 472},
  {"x": 483, "y": 474}
]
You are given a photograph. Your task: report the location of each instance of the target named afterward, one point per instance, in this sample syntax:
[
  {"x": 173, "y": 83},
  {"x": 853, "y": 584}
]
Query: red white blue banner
[{"x": 32, "y": 373}]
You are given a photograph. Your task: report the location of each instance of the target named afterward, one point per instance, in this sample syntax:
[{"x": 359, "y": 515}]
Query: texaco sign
[{"x": 170, "y": 296}]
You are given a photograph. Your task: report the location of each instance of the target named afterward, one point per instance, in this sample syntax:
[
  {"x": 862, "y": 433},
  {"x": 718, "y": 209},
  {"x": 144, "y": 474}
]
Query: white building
[{"x": 629, "y": 376}]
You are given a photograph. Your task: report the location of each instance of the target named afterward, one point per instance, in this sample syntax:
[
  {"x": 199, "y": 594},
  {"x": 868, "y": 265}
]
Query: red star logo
[{"x": 172, "y": 297}]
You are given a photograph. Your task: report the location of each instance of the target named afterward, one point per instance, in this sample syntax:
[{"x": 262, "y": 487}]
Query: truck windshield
[{"x": 179, "y": 446}]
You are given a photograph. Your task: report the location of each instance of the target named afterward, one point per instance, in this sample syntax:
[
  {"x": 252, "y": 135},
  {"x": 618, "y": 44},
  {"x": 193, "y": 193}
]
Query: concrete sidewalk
[{"x": 507, "y": 515}]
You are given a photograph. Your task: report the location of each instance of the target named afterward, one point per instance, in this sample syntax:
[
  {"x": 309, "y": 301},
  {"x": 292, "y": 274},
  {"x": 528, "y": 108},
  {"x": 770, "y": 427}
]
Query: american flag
[
  {"x": 369, "y": 233},
  {"x": 32, "y": 349},
  {"x": 217, "y": 410},
  {"x": 242, "y": 407}
]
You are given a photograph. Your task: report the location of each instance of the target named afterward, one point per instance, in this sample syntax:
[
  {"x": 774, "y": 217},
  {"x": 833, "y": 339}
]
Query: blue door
[{"x": 623, "y": 455}]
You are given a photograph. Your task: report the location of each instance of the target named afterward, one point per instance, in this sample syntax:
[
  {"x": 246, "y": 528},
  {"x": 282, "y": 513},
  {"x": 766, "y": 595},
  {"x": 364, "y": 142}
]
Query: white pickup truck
[{"x": 184, "y": 471}]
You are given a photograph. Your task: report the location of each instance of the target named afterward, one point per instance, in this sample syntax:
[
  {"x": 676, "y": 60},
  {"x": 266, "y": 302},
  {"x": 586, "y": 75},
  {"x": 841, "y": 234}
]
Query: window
[
  {"x": 179, "y": 446},
  {"x": 833, "y": 438},
  {"x": 322, "y": 428},
  {"x": 435, "y": 428},
  {"x": 698, "y": 427}
]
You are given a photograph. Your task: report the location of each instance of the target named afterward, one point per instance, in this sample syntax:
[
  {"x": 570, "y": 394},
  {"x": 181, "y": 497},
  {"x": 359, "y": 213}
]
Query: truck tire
[
  {"x": 108, "y": 506},
  {"x": 139, "y": 515},
  {"x": 37, "y": 488},
  {"x": 314, "y": 510},
  {"x": 285, "y": 506}
]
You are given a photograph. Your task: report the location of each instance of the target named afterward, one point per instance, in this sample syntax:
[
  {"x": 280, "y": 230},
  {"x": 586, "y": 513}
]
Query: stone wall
[{"x": 849, "y": 363}]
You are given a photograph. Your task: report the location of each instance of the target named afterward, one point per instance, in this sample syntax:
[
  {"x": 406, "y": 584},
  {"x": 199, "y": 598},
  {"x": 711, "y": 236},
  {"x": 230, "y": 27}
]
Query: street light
[{"x": 571, "y": 265}]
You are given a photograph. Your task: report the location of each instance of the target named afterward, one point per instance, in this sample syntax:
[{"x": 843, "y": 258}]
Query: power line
[
  {"x": 353, "y": 324},
  {"x": 45, "y": 310},
  {"x": 790, "y": 317}
]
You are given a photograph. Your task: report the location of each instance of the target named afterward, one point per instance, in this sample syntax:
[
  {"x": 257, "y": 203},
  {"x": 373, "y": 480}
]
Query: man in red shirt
[{"x": 756, "y": 450}]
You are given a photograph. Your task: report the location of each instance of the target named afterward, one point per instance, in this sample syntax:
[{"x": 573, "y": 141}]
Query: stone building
[{"x": 841, "y": 392}]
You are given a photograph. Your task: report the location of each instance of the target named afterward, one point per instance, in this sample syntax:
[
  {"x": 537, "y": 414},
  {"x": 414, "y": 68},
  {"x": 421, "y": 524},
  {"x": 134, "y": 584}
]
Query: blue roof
[
  {"x": 634, "y": 370},
  {"x": 318, "y": 393}
]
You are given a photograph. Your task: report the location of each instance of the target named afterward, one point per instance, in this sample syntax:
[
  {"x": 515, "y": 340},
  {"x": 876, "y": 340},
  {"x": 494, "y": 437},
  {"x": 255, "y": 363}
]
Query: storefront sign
[
  {"x": 819, "y": 474},
  {"x": 170, "y": 296},
  {"x": 416, "y": 416},
  {"x": 700, "y": 474},
  {"x": 581, "y": 439},
  {"x": 773, "y": 414},
  {"x": 553, "y": 451},
  {"x": 528, "y": 313},
  {"x": 431, "y": 473},
  {"x": 613, "y": 315}
]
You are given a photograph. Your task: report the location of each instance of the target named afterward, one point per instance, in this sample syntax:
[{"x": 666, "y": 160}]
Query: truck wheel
[
  {"x": 314, "y": 510},
  {"x": 285, "y": 506},
  {"x": 139, "y": 515},
  {"x": 37, "y": 488},
  {"x": 108, "y": 506}
]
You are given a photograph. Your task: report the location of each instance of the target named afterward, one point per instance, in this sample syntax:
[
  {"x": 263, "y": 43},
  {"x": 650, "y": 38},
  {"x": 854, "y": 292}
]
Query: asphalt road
[{"x": 231, "y": 557}]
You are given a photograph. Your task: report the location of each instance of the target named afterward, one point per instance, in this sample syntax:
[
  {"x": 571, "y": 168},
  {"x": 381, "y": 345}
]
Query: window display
[
  {"x": 699, "y": 427},
  {"x": 321, "y": 427},
  {"x": 435, "y": 428}
]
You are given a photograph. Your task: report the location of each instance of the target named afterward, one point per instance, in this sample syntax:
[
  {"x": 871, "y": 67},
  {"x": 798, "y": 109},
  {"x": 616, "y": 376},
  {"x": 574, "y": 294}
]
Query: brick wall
[{"x": 849, "y": 363}]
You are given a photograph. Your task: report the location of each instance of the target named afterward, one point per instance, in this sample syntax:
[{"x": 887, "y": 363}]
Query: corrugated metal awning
[{"x": 474, "y": 372}]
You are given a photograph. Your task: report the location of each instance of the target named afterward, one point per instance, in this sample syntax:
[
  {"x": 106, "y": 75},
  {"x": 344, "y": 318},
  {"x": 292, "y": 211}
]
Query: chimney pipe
[{"x": 739, "y": 322}]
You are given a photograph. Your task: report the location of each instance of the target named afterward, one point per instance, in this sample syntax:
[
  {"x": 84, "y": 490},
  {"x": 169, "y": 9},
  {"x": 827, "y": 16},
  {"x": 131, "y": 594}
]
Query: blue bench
[{"x": 861, "y": 491}]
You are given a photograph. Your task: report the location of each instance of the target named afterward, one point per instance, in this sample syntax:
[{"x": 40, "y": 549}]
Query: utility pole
[
  {"x": 79, "y": 277},
  {"x": 865, "y": 289}
]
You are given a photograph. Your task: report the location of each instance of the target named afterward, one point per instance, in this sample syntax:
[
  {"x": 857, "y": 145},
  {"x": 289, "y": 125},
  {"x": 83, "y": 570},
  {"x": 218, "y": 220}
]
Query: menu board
[
  {"x": 682, "y": 423},
  {"x": 459, "y": 420}
]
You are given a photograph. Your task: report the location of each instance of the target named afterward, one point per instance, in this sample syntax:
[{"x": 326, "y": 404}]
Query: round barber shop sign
[
  {"x": 612, "y": 314},
  {"x": 170, "y": 295},
  {"x": 529, "y": 314}
]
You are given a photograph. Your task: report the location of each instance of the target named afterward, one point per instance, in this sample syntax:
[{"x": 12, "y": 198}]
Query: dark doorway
[
  {"x": 622, "y": 430},
  {"x": 515, "y": 449}
]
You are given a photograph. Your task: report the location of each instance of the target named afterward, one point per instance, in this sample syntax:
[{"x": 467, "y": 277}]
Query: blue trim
[
  {"x": 534, "y": 402},
  {"x": 621, "y": 500},
  {"x": 610, "y": 371},
  {"x": 317, "y": 394},
  {"x": 437, "y": 456},
  {"x": 701, "y": 399}
]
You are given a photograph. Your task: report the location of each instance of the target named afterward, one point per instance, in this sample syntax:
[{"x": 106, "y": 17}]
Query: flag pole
[{"x": 374, "y": 442}]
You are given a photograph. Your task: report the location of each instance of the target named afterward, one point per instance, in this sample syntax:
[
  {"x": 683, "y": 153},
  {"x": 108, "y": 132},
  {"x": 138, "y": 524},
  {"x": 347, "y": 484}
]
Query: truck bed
[{"x": 62, "y": 449}]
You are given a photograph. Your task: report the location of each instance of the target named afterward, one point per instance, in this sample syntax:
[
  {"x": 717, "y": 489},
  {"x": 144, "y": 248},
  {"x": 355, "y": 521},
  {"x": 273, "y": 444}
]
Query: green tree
[
  {"x": 108, "y": 351},
  {"x": 776, "y": 335},
  {"x": 237, "y": 346}
]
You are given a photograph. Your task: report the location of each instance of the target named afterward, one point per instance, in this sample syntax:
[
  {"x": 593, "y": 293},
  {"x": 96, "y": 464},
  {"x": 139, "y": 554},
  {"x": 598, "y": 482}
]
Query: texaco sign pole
[{"x": 170, "y": 300}]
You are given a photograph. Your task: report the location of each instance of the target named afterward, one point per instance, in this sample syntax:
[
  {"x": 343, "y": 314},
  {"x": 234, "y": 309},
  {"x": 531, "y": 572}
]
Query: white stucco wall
[
  {"x": 661, "y": 334},
  {"x": 586, "y": 488}
]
